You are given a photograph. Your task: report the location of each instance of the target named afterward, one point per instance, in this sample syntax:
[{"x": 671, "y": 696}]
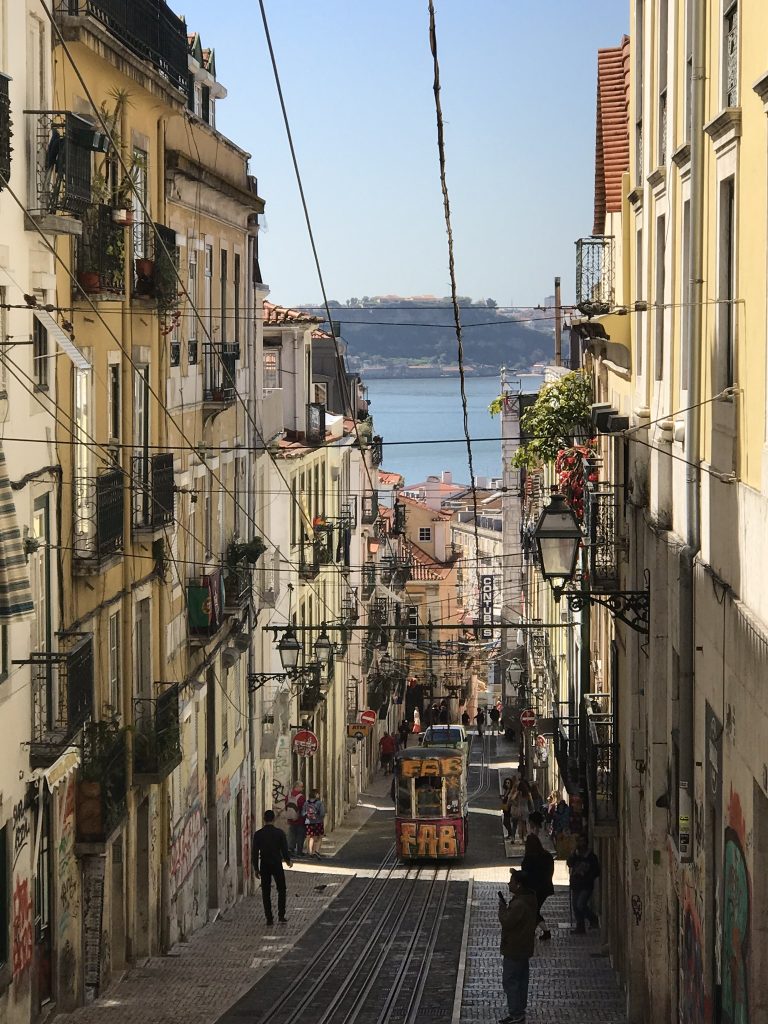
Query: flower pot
[
  {"x": 89, "y": 281},
  {"x": 145, "y": 268},
  {"x": 123, "y": 217}
]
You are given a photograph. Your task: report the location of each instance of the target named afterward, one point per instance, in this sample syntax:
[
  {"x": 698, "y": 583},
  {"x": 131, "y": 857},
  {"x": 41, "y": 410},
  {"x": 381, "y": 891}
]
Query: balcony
[
  {"x": 398, "y": 519},
  {"x": 309, "y": 559},
  {"x": 369, "y": 579},
  {"x": 98, "y": 518},
  {"x": 219, "y": 375},
  {"x": 157, "y": 736},
  {"x": 101, "y": 254},
  {"x": 61, "y": 188},
  {"x": 6, "y": 132},
  {"x": 315, "y": 423},
  {"x": 311, "y": 695},
  {"x": 600, "y": 522},
  {"x": 148, "y": 28},
  {"x": 369, "y": 509},
  {"x": 153, "y": 494},
  {"x": 62, "y": 696},
  {"x": 567, "y": 748},
  {"x": 156, "y": 261},
  {"x": 595, "y": 271},
  {"x": 377, "y": 451},
  {"x": 205, "y": 606},
  {"x": 602, "y": 766},
  {"x": 237, "y": 588},
  {"x": 102, "y": 787}
]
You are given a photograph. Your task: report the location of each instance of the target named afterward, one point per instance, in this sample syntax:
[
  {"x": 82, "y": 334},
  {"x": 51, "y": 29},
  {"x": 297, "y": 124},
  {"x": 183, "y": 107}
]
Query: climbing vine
[{"x": 560, "y": 415}]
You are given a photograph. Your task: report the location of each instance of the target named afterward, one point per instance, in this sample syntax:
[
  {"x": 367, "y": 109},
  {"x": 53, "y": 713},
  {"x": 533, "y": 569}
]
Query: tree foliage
[{"x": 560, "y": 413}]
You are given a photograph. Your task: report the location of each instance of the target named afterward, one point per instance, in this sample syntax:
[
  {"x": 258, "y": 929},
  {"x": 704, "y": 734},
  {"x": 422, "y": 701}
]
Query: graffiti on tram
[
  {"x": 441, "y": 838},
  {"x": 431, "y": 767}
]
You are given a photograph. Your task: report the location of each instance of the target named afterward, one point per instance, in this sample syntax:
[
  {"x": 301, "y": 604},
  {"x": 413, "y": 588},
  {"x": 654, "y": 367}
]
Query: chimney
[{"x": 447, "y": 476}]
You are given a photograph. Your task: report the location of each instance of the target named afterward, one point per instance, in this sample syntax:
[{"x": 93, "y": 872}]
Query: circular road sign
[
  {"x": 305, "y": 743},
  {"x": 368, "y": 717},
  {"x": 527, "y": 718}
]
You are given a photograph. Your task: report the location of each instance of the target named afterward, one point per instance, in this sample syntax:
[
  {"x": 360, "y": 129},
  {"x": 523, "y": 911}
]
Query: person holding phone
[{"x": 518, "y": 919}]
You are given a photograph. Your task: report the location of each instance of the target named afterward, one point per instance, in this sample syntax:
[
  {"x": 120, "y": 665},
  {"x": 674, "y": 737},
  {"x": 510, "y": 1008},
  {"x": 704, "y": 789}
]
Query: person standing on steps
[
  {"x": 294, "y": 806},
  {"x": 539, "y": 865},
  {"x": 494, "y": 714},
  {"x": 404, "y": 729},
  {"x": 480, "y": 720},
  {"x": 314, "y": 820},
  {"x": 585, "y": 870},
  {"x": 269, "y": 851},
  {"x": 518, "y": 919}
]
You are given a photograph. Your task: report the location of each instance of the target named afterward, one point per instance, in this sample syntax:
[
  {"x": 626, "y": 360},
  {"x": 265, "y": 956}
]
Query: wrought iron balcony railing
[
  {"x": 369, "y": 508},
  {"x": 377, "y": 450},
  {"x": 309, "y": 559},
  {"x": 600, "y": 522},
  {"x": 153, "y": 494},
  {"x": 157, "y": 736},
  {"x": 595, "y": 272},
  {"x": 156, "y": 262},
  {"x": 62, "y": 695},
  {"x": 369, "y": 579},
  {"x": 98, "y": 516},
  {"x": 311, "y": 694},
  {"x": 102, "y": 791},
  {"x": 148, "y": 28},
  {"x": 566, "y": 741},
  {"x": 6, "y": 132},
  {"x": 219, "y": 369},
  {"x": 602, "y": 766},
  {"x": 398, "y": 519},
  {"x": 63, "y": 146},
  {"x": 101, "y": 253},
  {"x": 237, "y": 588}
]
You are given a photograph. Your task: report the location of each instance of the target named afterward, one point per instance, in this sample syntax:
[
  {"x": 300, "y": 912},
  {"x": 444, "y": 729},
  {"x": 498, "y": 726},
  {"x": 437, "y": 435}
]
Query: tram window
[
  {"x": 452, "y": 796},
  {"x": 404, "y": 796},
  {"x": 429, "y": 797}
]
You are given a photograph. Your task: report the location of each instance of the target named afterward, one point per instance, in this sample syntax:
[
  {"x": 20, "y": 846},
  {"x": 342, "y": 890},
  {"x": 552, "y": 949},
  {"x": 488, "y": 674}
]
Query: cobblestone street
[{"x": 571, "y": 978}]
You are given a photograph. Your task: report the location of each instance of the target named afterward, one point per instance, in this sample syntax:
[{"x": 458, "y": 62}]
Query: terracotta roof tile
[
  {"x": 425, "y": 567},
  {"x": 274, "y": 316},
  {"x": 436, "y": 513},
  {"x": 612, "y": 131},
  {"x": 390, "y": 479}
]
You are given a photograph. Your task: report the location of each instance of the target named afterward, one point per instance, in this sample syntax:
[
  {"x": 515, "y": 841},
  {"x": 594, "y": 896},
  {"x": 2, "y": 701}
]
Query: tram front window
[
  {"x": 403, "y": 793},
  {"x": 429, "y": 797}
]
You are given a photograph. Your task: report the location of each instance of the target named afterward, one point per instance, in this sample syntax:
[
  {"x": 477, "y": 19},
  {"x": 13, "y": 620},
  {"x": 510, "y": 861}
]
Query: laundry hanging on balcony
[{"x": 15, "y": 591}]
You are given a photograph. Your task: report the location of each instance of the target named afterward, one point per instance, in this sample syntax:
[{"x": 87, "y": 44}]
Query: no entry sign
[
  {"x": 527, "y": 718},
  {"x": 305, "y": 743},
  {"x": 368, "y": 717}
]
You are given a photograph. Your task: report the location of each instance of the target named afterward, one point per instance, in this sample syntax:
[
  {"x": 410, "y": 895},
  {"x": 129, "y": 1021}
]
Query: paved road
[{"x": 571, "y": 979}]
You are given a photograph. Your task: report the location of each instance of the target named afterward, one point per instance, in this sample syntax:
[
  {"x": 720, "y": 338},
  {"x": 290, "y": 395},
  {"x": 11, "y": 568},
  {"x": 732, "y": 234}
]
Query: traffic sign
[
  {"x": 368, "y": 717},
  {"x": 528, "y": 718},
  {"x": 305, "y": 743},
  {"x": 357, "y": 732}
]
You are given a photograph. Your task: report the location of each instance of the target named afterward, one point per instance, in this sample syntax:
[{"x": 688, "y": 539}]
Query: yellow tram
[{"x": 431, "y": 813}]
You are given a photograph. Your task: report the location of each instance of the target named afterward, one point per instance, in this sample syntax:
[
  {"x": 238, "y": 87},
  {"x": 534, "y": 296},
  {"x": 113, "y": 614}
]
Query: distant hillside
[{"x": 496, "y": 340}]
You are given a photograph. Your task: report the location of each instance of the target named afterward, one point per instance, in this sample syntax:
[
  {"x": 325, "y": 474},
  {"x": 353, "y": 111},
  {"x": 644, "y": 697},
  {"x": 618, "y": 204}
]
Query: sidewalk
[{"x": 198, "y": 980}]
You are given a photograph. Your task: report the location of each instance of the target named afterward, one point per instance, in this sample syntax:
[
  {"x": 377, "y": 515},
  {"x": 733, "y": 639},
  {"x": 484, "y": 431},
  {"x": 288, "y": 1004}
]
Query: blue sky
[{"x": 518, "y": 93}]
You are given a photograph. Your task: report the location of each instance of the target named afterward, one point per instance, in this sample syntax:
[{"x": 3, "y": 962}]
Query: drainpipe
[{"x": 692, "y": 436}]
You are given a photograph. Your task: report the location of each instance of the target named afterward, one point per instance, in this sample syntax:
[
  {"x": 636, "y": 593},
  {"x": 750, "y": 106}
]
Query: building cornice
[{"x": 725, "y": 128}]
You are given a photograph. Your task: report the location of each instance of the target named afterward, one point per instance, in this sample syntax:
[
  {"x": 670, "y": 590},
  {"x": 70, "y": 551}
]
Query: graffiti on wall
[
  {"x": 694, "y": 1004},
  {"x": 22, "y": 926},
  {"x": 68, "y": 889},
  {"x": 187, "y": 845},
  {"x": 735, "y": 919},
  {"x": 281, "y": 774},
  {"x": 20, "y": 830}
]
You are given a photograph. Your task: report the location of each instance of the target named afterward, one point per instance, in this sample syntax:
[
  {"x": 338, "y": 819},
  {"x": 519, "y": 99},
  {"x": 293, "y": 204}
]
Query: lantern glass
[
  {"x": 323, "y": 648},
  {"x": 558, "y": 537},
  {"x": 289, "y": 650}
]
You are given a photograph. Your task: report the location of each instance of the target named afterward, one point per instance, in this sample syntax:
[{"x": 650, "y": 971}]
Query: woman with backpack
[
  {"x": 314, "y": 819},
  {"x": 539, "y": 866}
]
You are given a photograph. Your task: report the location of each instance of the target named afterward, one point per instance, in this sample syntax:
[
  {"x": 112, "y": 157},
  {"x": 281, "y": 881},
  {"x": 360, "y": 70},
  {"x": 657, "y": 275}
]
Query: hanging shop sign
[
  {"x": 358, "y": 731},
  {"x": 305, "y": 743},
  {"x": 486, "y": 607}
]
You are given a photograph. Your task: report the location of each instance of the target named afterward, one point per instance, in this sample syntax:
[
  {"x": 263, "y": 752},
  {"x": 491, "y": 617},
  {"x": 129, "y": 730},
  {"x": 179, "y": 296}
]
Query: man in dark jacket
[
  {"x": 518, "y": 920},
  {"x": 539, "y": 865},
  {"x": 270, "y": 849},
  {"x": 585, "y": 870}
]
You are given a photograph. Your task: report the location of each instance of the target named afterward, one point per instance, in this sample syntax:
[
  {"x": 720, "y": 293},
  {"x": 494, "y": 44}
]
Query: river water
[{"x": 421, "y": 421}]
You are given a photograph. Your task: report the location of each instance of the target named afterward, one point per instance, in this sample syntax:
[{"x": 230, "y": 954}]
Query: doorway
[
  {"x": 117, "y": 906},
  {"x": 142, "y": 881}
]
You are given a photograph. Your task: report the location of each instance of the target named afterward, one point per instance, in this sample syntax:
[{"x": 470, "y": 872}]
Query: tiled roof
[
  {"x": 425, "y": 568},
  {"x": 390, "y": 479},
  {"x": 440, "y": 513},
  {"x": 612, "y": 134},
  {"x": 322, "y": 336},
  {"x": 274, "y": 316}
]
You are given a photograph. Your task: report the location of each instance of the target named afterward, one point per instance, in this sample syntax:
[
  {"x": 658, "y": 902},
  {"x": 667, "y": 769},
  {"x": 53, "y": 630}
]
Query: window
[
  {"x": 113, "y": 401},
  {"x": 141, "y": 238},
  {"x": 661, "y": 278},
  {"x": 663, "y": 61},
  {"x": 688, "y": 68},
  {"x": 321, "y": 394},
  {"x": 225, "y": 713},
  {"x": 425, "y": 533},
  {"x": 39, "y": 355},
  {"x": 114, "y": 663},
  {"x": 727, "y": 283},
  {"x": 205, "y": 103},
  {"x": 294, "y": 513},
  {"x": 208, "y": 521},
  {"x": 208, "y": 285},
  {"x": 192, "y": 292},
  {"x": 731, "y": 53},
  {"x": 5, "y": 897},
  {"x": 640, "y": 341},
  {"x": 639, "y": 59},
  {"x": 224, "y": 294},
  {"x": 685, "y": 309},
  {"x": 237, "y": 300},
  {"x": 272, "y": 369},
  {"x": 429, "y": 797},
  {"x": 143, "y": 652},
  {"x": 412, "y": 634}
]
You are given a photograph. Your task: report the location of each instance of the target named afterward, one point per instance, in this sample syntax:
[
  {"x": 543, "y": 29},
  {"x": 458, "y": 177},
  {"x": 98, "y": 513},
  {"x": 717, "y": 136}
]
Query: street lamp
[
  {"x": 289, "y": 650},
  {"x": 385, "y": 664},
  {"x": 558, "y": 538},
  {"x": 323, "y": 648}
]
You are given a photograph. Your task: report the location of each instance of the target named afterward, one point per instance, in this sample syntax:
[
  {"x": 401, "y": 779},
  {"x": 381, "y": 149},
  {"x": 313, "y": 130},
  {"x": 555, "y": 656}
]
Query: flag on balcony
[{"x": 15, "y": 591}]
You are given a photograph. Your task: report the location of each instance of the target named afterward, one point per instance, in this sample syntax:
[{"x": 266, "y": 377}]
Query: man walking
[
  {"x": 270, "y": 849},
  {"x": 494, "y": 714},
  {"x": 518, "y": 920},
  {"x": 294, "y": 804},
  {"x": 480, "y": 720},
  {"x": 585, "y": 870}
]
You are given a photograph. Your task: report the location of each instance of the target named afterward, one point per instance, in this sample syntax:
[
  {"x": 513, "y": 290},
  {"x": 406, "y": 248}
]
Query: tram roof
[{"x": 427, "y": 753}]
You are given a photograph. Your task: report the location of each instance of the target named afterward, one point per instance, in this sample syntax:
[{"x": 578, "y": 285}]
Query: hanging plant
[
  {"x": 561, "y": 413},
  {"x": 498, "y": 405},
  {"x": 572, "y": 466}
]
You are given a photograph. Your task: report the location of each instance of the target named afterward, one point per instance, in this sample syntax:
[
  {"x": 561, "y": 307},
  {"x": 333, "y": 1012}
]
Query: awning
[
  {"x": 63, "y": 766},
  {"x": 62, "y": 339},
  {"x": 613, "y": 331},
  {"x": 15, "y": 592}
]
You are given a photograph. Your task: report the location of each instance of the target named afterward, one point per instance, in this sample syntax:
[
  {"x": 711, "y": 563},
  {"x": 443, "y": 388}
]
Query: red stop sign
[
  {"x": 305, "y": 743},
  {"x": 527, "y": 718},
  {"x": 368, "y": 717}
]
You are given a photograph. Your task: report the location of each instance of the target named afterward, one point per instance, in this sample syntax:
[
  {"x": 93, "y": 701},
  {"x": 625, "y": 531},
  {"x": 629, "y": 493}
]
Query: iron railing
[
  {"x": 602, "y": 765},
  {"x": 148, "y": 28},
  {"x": 63, "y": 144},
  {"x": 153, "y": 494},
  {"x": 398, "y": 519},
  {"x": 600, "y": 522},
  {"x": 98, "y": 515},
  {"x": 101, "y": 250},
  {"x": 369, "y": 512},
  {"x": 157, "y": 736},
  {"x": 369, "y": 579},
  {"x": 6, "y": 132},
  {"x": 732, "y": 57},
  {"x": 566, "y": 742},
  {"x": 309, "y": 559},
  {"x": 311, "y": 694},
  {"x": 595, "y": 272},
  {"x": 377, "y": 450},
  {"x": 156, "y": 262},
  {"x": 219, "y": 369},
  {"x": 237, "y": 587},
  {"x": 62, "y": 695},
  {"x": 102, "y": 800}
]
